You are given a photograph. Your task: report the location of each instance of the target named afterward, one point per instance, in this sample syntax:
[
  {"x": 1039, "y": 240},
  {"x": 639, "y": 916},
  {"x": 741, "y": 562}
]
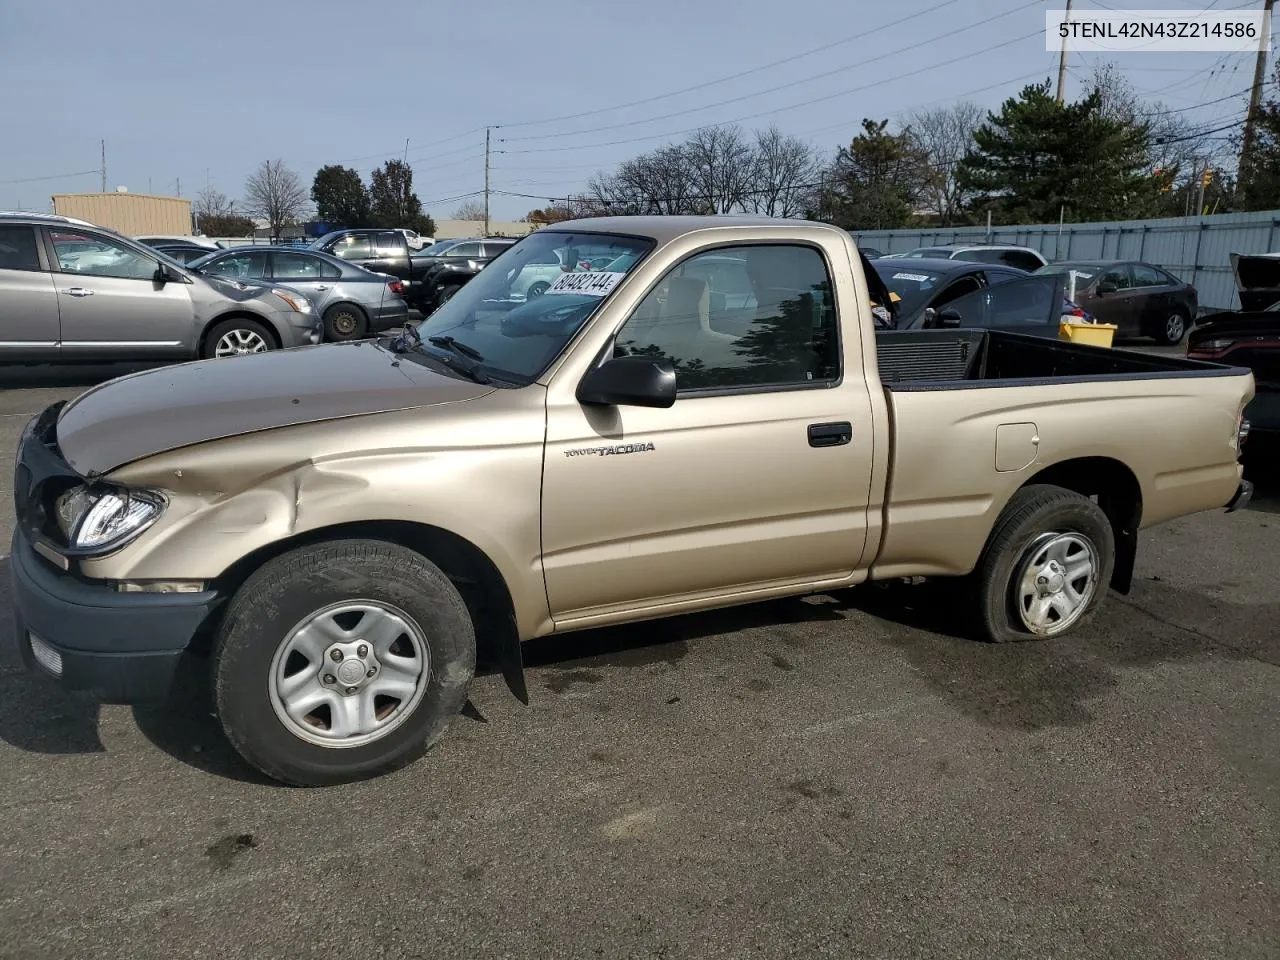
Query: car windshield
[
  {"x": 931, "y": 253},
  {"x": 436, "y": 249},
  {"x": 519, "y": 334},
  {"x": 915, "y": 287}
]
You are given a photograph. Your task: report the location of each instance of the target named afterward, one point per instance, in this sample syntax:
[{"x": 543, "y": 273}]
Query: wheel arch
[
  {"x": 478, "y": 579},
  {"x": 1115, "y": 488}
]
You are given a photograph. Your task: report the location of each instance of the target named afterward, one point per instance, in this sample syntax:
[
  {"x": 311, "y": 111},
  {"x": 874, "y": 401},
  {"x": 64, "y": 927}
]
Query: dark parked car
[
  {"x": 351, "y": 301},
  {"x": 445, "y": 266},
  {"x": 924, "y": 287},
  {"x": 1249, "y": 337},
  {"x": 1141, "y": 299}
]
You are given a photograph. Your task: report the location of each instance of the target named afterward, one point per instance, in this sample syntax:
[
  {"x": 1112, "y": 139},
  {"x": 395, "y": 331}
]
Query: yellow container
[{"x": 1094, "y": 334}]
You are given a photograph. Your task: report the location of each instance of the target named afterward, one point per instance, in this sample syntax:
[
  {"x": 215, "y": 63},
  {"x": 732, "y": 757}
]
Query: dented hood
[{"x": 147, "y": 413}]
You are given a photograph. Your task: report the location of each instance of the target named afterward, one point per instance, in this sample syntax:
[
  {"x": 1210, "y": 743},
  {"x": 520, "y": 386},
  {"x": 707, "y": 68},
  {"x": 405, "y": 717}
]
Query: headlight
[
  {"x": 298, "y": 303},
  {"x": 99, "y": 519}
]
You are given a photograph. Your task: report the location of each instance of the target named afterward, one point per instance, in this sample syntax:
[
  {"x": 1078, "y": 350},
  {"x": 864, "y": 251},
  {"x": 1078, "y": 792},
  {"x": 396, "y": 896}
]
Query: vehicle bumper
[
  {"x": 1244, "y": 493},
  {"x": 123, "y": 647},
  {"x": 395, "y": 315}
]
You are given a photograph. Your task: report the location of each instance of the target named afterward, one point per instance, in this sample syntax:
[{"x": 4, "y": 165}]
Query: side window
[
  {"x": 493, "y": 249},
  {"x": 329, "y": 271},
  {"x": 240, "y": 266},
  {"x": 98, "y": 257},
  {"x": 1118, "y": 275},
  {"x": 957, "y": 289},
  {"x": 1021, "y": 259},
  {"x": 973, "y": 256},
  {"x": 789, "y": 338},
  {"x": 392, "y": 244},
  {"x": 1027, "y": 302},
  {"x": 1145, "y": 276},
  {"x": 463, "y": 250},
  {"x": 352, "y": 246},
  {"x": 18, "y": 248},
  {"x": 295, "y": 266}
]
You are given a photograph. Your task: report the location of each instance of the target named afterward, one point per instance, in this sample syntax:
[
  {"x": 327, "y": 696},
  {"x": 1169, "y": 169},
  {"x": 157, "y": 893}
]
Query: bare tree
[
  {"x": 944, "y": 135},
  {"x": 722, "y": 164},
  {"x": 784, "y": 175},
  {"x": 274, "y": 193},
  {"x": 212, "y": 202},
  {"x": 471, "y": 210}
]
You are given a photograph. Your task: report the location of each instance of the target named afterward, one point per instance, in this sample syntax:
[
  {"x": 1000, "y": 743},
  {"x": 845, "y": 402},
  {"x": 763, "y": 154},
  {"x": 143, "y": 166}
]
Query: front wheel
[
  {"x": 342, "y": 661},
  {"x": 237, "y": 337},
  {"x": 537, "y": 289},
  {"x": 1046, "y": 566}
]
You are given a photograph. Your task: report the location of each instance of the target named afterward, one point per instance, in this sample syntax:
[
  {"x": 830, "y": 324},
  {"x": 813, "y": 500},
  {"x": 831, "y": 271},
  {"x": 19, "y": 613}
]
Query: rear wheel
[
  {"x": 1172, "y": 330},
  {"x": 1046, "y": 566},
  {"x": 342, "y": 661},
  {"x": 447, "y": 293},
  {"x": 237, "y": 337},
  {"x": 344, "y": 321},
  {"x": 537, "y": 289}
]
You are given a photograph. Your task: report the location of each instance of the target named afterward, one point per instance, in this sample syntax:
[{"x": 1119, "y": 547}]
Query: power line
[
  {"x": 792, "y": 106},
  {"x": 948, "y": 35},
  {"x": 860, "y": 35},
  {"x": 56, "y": 176}
]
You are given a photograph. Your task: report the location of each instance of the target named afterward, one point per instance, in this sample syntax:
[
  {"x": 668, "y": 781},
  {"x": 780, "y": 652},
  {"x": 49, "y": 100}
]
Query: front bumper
[
  {"x": 1244, "y": 493},
  {"x": 123, "y": 647}
]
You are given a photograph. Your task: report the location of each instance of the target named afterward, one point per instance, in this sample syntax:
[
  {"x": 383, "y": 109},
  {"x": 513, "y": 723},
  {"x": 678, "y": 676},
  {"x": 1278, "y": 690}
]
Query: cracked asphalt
[{"x": 829, "y": 777}]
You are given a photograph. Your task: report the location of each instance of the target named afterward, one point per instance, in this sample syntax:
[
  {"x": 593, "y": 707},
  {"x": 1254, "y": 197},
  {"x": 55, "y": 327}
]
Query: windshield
[
  {"x": 518, "y": 315},
  {"x": 436, "y": 249},
  {"x": 930, "y": 253},
  {"x": 915, "y": 287}
]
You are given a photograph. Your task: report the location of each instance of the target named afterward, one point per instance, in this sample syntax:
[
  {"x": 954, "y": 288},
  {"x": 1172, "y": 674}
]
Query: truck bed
[{"x": 956, "y": 359}]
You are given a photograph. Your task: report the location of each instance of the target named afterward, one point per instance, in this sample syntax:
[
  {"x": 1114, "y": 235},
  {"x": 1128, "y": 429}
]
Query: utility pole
[
  {"x": 406, "y": 151},
  {"x": 486, "y": 180},
  {"x": 104, "y": 166},
  {"x": 1062, "y": 58},
  {"x": 1255, "y": 96}
]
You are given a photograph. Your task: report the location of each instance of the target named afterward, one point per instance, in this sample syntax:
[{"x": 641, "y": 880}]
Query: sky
[{"x": 189, "y": 94}]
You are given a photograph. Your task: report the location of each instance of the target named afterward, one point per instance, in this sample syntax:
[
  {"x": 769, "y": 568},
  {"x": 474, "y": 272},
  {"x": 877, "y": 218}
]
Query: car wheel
[
  {"x": 537, "y": 289},
  {"x": 342, "y": 661},
  {"x": 344, "y": 321},
  {"x": 237, "y": 337},
  {"x": 1046, "y": 566},
  {"x": 447, "y": 293},
  {"x": 1172, "y": 330}
]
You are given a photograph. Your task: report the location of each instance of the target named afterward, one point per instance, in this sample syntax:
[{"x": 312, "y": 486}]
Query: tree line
[
  {"x": 338, "y": 197},
  {"x": 1108, "y": 155}
]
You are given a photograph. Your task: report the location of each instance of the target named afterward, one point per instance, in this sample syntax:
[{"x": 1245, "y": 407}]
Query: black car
[
  {"x": 444, "y": 267},
  {"x": 1249, "y": 337},
  {"x": 924, "y": 287},
  {"x": 1141, "y": 299}
]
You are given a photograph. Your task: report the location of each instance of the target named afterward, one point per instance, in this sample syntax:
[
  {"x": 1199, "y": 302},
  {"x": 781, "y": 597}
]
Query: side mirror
[
  {"x": 1106, "y": 287},
  {"x": 631, "y": 382},
  {"x": 949, "y": 317}
]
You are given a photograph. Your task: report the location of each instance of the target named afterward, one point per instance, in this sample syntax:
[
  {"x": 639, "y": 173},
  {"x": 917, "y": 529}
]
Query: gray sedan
[{"x": 352, "y": 301}]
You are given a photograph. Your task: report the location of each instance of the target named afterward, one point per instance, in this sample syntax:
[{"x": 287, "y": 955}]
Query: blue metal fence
[{"x": 1197, "y": 249}]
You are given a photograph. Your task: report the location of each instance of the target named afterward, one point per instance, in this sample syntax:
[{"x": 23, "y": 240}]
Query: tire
[
  {"x": 236, "y": 337},
  {"x": 345, "y": 321},
  {"x": 1172, "y": 331},
  {"x": 1042, "y": 521},
  {"x": 417, "y": 617},
  {"x": 447, "y": 293},
  {"x": 536, "y": 289}
]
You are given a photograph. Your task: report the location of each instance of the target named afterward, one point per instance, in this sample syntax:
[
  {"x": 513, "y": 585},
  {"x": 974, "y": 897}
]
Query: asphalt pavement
[{"x": 830, "y": 777}]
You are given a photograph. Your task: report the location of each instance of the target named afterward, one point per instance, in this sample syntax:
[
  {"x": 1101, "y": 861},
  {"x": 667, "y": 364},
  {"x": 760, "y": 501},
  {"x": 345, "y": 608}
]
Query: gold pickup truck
[{"x": 696, "y": 412}]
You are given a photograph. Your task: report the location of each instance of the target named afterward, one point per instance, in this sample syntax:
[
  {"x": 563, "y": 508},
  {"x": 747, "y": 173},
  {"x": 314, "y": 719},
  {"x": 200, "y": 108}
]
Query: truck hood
[
  {"x": 147, "y": 413},
  {"x": 1257, "y": 280}
]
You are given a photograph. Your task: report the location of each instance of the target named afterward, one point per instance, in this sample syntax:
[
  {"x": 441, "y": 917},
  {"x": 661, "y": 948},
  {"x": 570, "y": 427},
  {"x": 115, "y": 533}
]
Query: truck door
[{"x": 758, "y": 476}]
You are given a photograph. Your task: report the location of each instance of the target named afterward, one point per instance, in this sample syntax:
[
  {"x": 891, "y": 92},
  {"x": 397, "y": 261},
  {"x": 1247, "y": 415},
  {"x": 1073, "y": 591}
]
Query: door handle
[
  {"x": 322, "y": 286},
  {"x": 78, "y": 292},
  {"x": 830, "y": 434}
]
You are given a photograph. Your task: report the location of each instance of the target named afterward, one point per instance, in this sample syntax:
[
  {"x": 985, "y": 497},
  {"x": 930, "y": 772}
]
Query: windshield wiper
[{"x": 458, "y": 350}]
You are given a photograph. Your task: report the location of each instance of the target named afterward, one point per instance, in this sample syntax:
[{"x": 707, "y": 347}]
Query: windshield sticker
[
  {"x": 596, "y": 284},
  {"x": 917, "y": 277}
]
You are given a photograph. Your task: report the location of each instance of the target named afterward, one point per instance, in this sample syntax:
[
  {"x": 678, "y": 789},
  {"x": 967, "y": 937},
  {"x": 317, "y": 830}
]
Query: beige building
[
  {"x": 133, "y": 214},
  {"x": 452, "y": 229}
]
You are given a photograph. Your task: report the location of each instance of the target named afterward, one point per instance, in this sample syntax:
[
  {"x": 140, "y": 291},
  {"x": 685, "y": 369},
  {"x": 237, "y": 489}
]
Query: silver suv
[{"x": 70, "y": 291}]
